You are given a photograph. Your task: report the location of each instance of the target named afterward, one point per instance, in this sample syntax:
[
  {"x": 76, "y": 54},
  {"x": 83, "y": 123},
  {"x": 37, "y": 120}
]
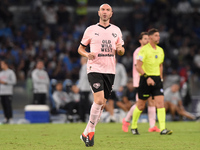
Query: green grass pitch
[{"x": 109, "y": 136}]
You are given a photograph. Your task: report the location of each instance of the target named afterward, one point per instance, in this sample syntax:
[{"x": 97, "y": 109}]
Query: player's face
[
  {"x": 105, "y": 12},
  {"x": 155, "y": 37},
  {"x": 144, "y": 40}
]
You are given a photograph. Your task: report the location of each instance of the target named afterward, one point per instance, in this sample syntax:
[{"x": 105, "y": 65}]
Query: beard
[{"x": 105, "y": 19}]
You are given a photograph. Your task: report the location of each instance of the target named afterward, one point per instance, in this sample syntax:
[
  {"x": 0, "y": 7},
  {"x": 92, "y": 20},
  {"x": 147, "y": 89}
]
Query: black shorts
[
  {"x": 114, "y": 96},
  {"x": 145, "y": 91},
  {"x": 101, "y": 82}
]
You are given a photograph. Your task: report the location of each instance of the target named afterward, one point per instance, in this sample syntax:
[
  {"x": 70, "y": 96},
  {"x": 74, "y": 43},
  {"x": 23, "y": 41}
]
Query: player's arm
[
  {"x": 161, "y": 71},
  {"x": 139, "y": 67},
  {"x": 83, "y": 52},
  {"x": 119, "y": 45},
  {"x": 139, "y": 64}
]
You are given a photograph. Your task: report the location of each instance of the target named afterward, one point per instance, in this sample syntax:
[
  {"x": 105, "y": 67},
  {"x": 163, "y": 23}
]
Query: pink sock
[
  {"x": 99, "y": 116},
  {"x": 152, "y": 116},
  {"x": 87, "y": 127},
  {"x": 93, "y": 119},
  {"x": 130, "y": 113}
]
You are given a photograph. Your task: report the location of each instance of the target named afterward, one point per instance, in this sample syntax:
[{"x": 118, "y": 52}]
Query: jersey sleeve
[
  {"x": 86, "y": 37},
  {"x": 162, "y": 57},
  {"x": 141, "y": 55},
  {"x": 120, "y": 39}
]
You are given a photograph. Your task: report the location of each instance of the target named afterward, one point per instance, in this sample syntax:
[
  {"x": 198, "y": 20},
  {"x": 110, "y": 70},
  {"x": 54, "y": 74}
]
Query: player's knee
[
  {"x": 99, "y": 101},
  {"x": 141, "y": 106}
]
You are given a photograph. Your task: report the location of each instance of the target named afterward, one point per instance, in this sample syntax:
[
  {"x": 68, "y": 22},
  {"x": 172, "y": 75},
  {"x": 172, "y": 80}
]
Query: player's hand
[
  {"x": 91, "y": 56},
  {"x": 120, "y": 49},
  {"x": 150, "y": 82}
]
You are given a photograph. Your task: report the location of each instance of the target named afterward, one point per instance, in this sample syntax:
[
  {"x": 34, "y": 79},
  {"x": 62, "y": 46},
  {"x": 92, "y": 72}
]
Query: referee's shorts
[{"x": 145, "y": 91}]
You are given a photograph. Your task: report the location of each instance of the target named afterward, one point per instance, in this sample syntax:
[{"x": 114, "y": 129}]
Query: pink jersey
[
  {"x": 136, "y": 75},
  {"x": 102, "y": 41}
]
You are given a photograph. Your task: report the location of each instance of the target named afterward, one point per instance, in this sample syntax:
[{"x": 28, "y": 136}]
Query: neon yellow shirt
[{"x": 151, "y": 58}]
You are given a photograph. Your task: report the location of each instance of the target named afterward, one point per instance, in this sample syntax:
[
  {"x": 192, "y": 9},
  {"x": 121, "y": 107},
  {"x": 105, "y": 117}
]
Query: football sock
[
  {"x": 135, "y": 117},
  {"x": 161, "y": 118},
  {"x": 87, "y": 127},
  {"x": 130, "y": 113},
  {"x": 99, "y": 117},
  {"x": 94, "y": 115},
  {"x": 152, "y": 116}
]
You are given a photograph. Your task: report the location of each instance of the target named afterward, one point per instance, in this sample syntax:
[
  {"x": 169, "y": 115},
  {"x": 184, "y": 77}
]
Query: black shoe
[
  {"x": 166, "y": 132},
  {"x": 135, "y": 131},
  {"x": 90, "y": 139},
  {"x": 83, "y": 138}
]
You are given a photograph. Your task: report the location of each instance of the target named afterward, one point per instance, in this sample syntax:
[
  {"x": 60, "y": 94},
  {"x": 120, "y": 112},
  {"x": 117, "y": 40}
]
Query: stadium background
[{"x": 26, "y": 36}]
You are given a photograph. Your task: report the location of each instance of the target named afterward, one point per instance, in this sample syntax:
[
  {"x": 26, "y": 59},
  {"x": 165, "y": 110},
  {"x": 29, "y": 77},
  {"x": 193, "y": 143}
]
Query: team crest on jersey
[
  {"x": 114, "y": 35},
  {"x": 96, "y": 85},
  {"x": 156, "y": 56}
]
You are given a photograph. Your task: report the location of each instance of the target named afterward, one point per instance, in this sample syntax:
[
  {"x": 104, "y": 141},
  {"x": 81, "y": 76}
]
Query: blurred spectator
[
  {"x": 7, "y": 81},
  {"x": 128, "y": 97},
  {"x": 64, "y": 100},
  {"x": 63, "y": 15},
  {"x": 5, "y": 14},
  {"x": 171, "y": 79},
  {"x": 50, "y": 14},
  {"x": 30, "y": 33},
  {"x": 184, "y": 6},
  {"x": 81, "y": 8},
  {"x": 117, "y": 91},
  {"x": 197, "y": 62},
  {"x": 40, "y": 80},
  {"x": 173, "y": 103},
  {"x": 84, "y": 88}
]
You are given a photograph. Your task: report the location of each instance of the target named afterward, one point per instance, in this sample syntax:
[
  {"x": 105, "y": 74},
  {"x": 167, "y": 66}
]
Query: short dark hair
[
  {"x": 6, "y": 61},
  {"x": 142, "y": 34},
  {"x": 152, "y": 31}
]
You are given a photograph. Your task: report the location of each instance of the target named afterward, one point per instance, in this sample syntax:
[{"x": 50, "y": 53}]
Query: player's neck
[
  {"x": 104, "y": 23},
  {"x": 153, "y": 45}
]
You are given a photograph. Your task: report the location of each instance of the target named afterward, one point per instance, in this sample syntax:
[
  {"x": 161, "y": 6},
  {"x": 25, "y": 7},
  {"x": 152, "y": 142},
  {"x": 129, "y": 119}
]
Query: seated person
[
  {"x": 64, "y": 100},
  {"x": 124, "y": 101},
  {"x": 128, "y": 97},
  {"x": 173, "y": 102}
]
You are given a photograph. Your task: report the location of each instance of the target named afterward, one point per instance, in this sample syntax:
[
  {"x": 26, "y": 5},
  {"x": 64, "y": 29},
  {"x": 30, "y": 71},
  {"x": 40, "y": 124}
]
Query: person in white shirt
[
  {"x": 173, "y": 102},
  {"x": 117, "y": 92},
  {"x": 7, "y": 81},
  {"x": 84, "y": 89},
  {"x": 40, "y": 83},
  {"x": 65, "y": 100}
]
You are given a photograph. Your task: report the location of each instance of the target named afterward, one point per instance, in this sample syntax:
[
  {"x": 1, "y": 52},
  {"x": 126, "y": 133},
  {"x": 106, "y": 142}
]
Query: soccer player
[
  {"x": 143, "y": 39},
  {"x": 105, "y": 40},
  {"x": 150, "y": 66}
]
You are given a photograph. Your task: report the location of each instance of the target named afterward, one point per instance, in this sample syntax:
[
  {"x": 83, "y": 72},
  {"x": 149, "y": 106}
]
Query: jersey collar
[{"x": 103, "y": 26}]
